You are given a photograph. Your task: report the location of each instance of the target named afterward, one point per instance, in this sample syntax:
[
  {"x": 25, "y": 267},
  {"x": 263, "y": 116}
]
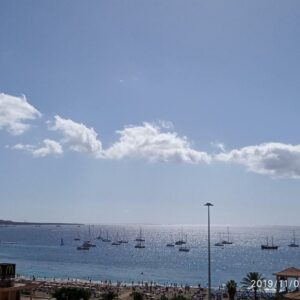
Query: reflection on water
[{"x": 38, "y": 252}]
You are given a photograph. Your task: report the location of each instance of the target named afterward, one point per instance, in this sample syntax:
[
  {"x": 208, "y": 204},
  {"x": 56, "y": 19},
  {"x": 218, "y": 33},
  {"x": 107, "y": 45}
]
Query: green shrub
[
  {"x": 163, "y": 297},
  {"x": 109, "y": 295},
  {"x": 71, "y": 293},
  {"x": 179, "y": 297},
  {"x": 138, "y": 296}
]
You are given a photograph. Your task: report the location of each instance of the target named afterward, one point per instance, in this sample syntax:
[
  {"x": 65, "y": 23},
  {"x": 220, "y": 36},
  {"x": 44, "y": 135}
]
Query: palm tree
[
  {"x": 250, "y": 281},
  {"x": 231, "y": 286}
]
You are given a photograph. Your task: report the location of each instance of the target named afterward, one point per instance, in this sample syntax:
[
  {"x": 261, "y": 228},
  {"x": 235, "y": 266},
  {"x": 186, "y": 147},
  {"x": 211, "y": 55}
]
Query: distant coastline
[{"x": 9, "y": 222}]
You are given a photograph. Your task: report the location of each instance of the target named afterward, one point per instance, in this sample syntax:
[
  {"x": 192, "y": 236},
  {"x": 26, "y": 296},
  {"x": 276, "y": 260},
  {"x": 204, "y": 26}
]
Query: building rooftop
[{"x": 289, "y": 272}]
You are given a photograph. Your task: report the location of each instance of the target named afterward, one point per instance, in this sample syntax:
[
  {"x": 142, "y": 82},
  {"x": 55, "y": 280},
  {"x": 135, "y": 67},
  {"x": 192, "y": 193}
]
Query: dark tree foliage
[
  {"x": 179, "y": 297},
  {"x": 71, "y": 293},
  {"x": 109, "y": 295},
  {"x": 137, "y": 296}
]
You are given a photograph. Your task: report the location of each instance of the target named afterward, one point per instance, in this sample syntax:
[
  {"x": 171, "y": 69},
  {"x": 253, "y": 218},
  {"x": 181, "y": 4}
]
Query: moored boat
[
  {"x": 269, "y": 247},
  {"x": 140, "y": 245},
  {"x": 184, "y": 249},
  {"x": 293, "y": 244},
  {"x": 116, "y": 242},
  {"x": 227, "y": 242},
  {"x": 181, "y": 240},
  {"x": 77, "y": 238},
  {"x": 83, "y": 248},
  {"x": 140, "y": 237},
  {"x": 220, "y": 243},
  {"x": 106, "y": 239}
]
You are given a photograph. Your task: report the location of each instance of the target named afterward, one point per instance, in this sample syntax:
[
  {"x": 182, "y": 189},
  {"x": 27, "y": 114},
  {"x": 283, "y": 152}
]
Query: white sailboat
[
  {"x": 140, "y": 245},
  {"x": 220, "y": 243},
  {"x": 140, "y": 237},
  {"x": 227, "y": 242},
  {"x": 181, "y": 240},
  {"x": 293, "y": 243},
  {"x": 184, "y": 248},
  {"x": 88, "y": 243},
  {"x": 140, "y": 241},
  {"x": 84, "y": 246},
  {"x": 123, "y": 240},
  {"x": 116, "y": 242},
  {"x": 77, "y": 238},
  {"x": 171, "y": 244},
  {"x": 106, "y": 239},
  {"x": 99, "y": 237}
]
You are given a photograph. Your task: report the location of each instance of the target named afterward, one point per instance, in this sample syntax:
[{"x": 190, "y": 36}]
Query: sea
[{"x": 37, "y": 251}]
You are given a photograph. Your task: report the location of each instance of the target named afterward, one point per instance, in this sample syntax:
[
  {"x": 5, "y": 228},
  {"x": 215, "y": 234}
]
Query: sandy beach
[{"x": 44, "y": 289}]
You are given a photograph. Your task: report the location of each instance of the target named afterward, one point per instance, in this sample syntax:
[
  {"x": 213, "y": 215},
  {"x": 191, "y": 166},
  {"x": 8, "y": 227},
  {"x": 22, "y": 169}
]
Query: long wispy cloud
[
  {"x": 15, "y": 112},
  {"x": 149, "y": 141}
]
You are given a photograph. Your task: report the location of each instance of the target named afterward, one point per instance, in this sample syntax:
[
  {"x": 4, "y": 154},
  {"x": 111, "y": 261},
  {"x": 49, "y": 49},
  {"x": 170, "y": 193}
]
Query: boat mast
[
  {"x": 294, "y": 236},
  {"x": 227, "y": 234}
]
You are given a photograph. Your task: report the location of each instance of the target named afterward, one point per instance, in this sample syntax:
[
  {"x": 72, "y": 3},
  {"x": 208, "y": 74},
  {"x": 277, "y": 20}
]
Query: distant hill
[{"x": 8, "y": 222}]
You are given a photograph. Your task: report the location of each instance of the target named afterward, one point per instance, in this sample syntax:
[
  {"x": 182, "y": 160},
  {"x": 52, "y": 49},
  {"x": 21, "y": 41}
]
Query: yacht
[
  {"x": 140, "y": 245},
  {"x": 123, "y": 240},
  {"x": 220, "y": 243},
  {"x": 99, "y": 237},
  {"x": 293, "y": 243},
  {"x": 106, "y": 239},
  {"x": 116, "y": 242},
  {"x": 83, "y": 248},
  {"x": 181, "y": 241},
  {"x": 140, "y": 237},
  {"x": 269, "y": 247},
  {"x": 227, "y": 242},
  {"x": 171, "y": 244},
  {"x": 184, "y": 249},
  {"x": 77, "y": 238}
]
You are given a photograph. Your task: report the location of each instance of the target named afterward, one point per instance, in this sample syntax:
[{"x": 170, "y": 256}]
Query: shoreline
[
  {"x": 44, "y": 289},
  {"x": 65, "y": 280}
]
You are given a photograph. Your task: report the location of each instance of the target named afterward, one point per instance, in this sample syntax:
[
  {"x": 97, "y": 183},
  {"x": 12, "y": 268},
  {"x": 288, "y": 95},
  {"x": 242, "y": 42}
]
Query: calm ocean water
[{"x": 38, "y": 252}]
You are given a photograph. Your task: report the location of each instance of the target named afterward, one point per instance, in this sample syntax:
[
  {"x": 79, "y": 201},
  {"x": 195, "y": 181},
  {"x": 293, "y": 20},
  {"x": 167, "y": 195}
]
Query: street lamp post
[{"x": 208, "y": 230}]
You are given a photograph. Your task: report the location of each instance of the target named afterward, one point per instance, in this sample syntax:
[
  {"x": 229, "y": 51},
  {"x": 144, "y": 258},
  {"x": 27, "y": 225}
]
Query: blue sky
[{"x": 215, "y": 72}]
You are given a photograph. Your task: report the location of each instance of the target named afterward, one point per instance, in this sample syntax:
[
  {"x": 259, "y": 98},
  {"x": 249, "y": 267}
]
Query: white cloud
[
  {"x": 150, "y": 142},
  {"x": 166, "y": 124},
  {"x": 50, "y": 147},
  {"x": 14, "y": 112},
  {"x": 276, "y": 159},
  {"x": 22, "y": 147},
  {"x": 77, "y": 136},
  {"x": 219, "y": 146}
]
